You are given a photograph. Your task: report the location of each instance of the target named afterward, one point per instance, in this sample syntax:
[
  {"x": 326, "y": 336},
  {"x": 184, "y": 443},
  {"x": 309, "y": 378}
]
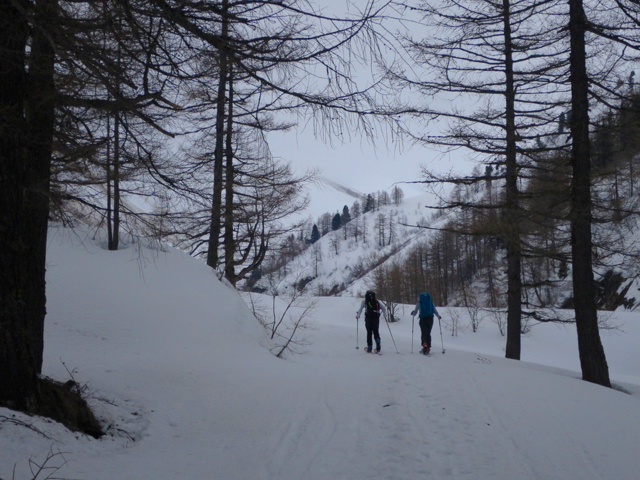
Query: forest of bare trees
[
  {"x": 525, "y": 65},
  {"x": 109, "y": 107}
]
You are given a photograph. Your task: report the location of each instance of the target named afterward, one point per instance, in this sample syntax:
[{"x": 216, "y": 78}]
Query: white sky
[{"x": 360, "y": 165}]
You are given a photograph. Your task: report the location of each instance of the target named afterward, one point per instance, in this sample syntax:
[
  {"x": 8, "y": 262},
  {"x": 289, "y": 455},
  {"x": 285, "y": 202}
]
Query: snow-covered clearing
[{"x": 181, "y": 374}]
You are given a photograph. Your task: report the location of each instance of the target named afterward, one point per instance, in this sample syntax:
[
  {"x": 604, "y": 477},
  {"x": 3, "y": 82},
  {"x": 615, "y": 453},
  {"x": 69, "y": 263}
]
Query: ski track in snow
[{"x": 431, "y": 417}]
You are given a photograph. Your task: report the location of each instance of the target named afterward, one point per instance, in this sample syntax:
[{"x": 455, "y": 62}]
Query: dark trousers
[
  {"x": 426, "y": 324},
  {"x": 372, "y": 324}
]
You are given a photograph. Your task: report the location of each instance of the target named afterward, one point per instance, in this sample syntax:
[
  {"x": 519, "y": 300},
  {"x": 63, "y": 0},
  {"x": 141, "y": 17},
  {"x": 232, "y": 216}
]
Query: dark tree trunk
[
  {"x": 114, "y": 186},
  {"x": 40, "y": 118},
  {"x": 109, "y": 181},
  {"x": 229, "y": 243},
  {"x": 514, "y": 254},
  {"x": 216, "y": 203},
  {"x": 26, "y": 132},
  {"x": 592, "y": 357},
  {"x": 18, "y": 369}
]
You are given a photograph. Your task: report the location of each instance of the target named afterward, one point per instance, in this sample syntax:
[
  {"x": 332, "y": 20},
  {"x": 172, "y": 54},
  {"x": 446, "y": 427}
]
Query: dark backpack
[
  {"x": 372, "y": 309},
  {"x": 426, "y": 305}
]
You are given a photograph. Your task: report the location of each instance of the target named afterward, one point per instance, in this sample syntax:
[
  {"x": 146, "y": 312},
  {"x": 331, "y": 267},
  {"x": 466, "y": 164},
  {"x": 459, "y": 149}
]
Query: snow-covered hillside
[
  {"x": 337, "y": 265},
  {"x": 181, "y": 376},
  {"x": 344, "y": 262}
]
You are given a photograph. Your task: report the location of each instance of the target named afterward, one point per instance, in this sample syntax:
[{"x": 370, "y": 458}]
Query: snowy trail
[
  {"x": 401, "y": 426},
  {"x": 441, "y": 417}
]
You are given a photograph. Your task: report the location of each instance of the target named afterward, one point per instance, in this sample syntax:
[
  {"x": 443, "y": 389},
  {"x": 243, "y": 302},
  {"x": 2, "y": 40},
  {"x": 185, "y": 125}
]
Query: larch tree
[
  {"x": 47, "y": 47},
  {"x": 26, "y": 134},
  {"x": 256, "y": 53},
  {"x": 592, "y": 357},
  {"x": 505, "y": 55}
]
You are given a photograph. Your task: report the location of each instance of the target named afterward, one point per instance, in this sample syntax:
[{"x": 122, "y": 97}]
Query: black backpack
[{"x": 372, "y": 309}]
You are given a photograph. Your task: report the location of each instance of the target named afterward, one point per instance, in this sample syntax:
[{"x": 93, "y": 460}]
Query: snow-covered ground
[{"x": 181, "y": 376}]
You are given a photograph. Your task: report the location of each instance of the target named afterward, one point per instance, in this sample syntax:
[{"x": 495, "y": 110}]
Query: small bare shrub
[
  {"x": 46, "y": 470},
  {"x": 470, "y": 302},
  {"x": 499, "y": 317},
  {"x": 454, "y": 321},
  {"x": 53, "y": 462},
  {"x": 288, "y": 326}
]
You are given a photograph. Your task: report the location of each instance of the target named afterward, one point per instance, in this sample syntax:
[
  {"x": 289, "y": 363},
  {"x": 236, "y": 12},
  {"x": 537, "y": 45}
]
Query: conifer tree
[
  {"x": 315, "y": 234},
  {"x": 346, "y": 216},
  {"x": 592, "y": 357},
  {"x": 336, "y": 223},
  {"x": 369, "y": 204}
]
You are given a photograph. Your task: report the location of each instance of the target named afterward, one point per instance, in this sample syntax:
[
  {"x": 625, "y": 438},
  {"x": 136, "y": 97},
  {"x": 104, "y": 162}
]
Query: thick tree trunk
[
  {"x": 512, "y": 213},
  {"x": 18, "y": 368},
  {"x": 26, "y": 132},
  {"x": 40, "y": 118},
  {"x": 592, "y": 357}
]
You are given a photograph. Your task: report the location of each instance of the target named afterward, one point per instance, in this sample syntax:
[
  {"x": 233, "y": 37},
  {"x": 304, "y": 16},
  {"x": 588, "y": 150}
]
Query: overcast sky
[
  {"x": 360, "y": 165},
  {"x": 356, "y": 162}
]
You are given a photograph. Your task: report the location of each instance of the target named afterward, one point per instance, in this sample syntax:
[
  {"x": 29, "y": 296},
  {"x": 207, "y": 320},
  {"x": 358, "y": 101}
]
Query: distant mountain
[{"x": 336, "y": 265}]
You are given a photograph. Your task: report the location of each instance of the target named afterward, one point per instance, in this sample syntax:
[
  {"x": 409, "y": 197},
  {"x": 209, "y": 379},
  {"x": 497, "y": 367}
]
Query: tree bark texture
[
  {"x": 26, "y": 132},
  {"x": 229, "y": 243},
  {"x": 218, "y": 161},
  {"x": 512, "y": 213},
  {"x": 113, "y": 185},
  {"x": 592, "y": 357}
]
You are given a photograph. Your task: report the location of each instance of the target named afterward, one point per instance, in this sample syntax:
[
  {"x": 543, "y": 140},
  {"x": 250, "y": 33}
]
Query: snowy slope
[
  {"x": 181, "y": 374},
  {"x": 334, "y": 262}
]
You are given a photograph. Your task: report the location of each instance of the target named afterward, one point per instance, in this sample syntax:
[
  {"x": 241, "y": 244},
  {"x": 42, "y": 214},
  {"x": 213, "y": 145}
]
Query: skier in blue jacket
[{"x": 427, "y": 310}]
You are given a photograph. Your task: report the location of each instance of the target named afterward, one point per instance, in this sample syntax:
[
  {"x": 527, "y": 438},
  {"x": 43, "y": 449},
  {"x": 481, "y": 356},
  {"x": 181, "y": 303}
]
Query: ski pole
[
  {"x": 357, "y": 347},
  {"x": 441, "y": 340},
  {"x": 413, "y": 319},
  {"x": 394, "y": 342}
]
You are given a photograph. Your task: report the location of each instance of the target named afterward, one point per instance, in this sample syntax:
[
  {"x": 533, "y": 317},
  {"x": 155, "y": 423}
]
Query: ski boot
[{"x": 377, "y": 347}]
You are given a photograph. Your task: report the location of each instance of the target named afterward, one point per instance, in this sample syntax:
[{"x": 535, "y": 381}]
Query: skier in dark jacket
[
  {"x": 427, "y": 310},
  {"x": 372, "y": 309}
]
